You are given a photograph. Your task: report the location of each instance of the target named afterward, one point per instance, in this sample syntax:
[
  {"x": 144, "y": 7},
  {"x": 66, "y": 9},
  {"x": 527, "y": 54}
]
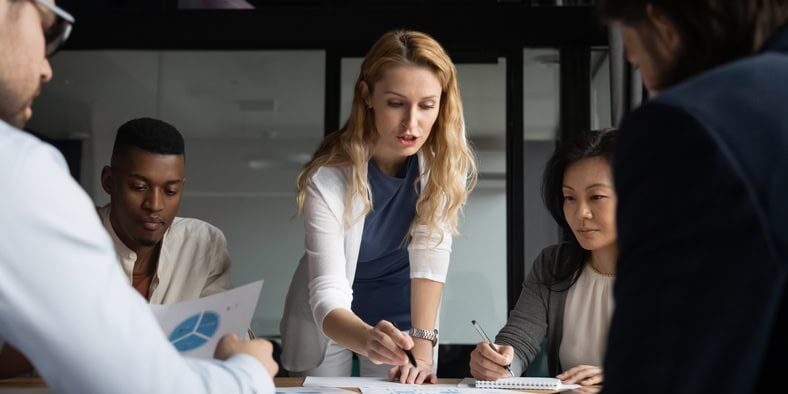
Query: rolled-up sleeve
[
  {"x": 329, "y": 288},
  {"x": 429, "y": 253}
]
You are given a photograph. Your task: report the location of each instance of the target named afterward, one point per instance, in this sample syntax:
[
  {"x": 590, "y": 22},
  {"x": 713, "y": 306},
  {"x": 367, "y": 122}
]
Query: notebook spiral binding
[{"x": 520, "y": 383}]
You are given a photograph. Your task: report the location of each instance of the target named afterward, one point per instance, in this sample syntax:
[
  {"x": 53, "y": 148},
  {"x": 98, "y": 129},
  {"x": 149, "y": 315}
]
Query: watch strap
[{"x": 430, "y": 335}]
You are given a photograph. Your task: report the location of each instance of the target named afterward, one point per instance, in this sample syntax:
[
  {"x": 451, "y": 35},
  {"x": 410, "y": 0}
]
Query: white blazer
[{"x": 324, "y": 277}]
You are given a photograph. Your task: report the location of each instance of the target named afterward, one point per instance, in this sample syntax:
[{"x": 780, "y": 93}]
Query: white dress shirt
[
  {"x": 323, "y": 280},
  {"x": 64, "y": 302},
  {"x": 193, "y": 261}
]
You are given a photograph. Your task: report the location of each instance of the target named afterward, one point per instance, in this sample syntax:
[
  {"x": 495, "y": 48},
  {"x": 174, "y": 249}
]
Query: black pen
[
  {"x": 489, "y": 342},
  {"x": 411, "y": 358}
]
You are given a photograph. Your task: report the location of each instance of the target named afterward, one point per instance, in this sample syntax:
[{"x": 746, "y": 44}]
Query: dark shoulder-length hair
[
  {"x": 572, "y": 257},
  {"x": 712, "y": 32}
]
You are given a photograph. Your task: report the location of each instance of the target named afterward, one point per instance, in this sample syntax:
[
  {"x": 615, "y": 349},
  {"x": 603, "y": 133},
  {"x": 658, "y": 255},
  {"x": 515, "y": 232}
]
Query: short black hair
[
  {"x": 584, "y": 145},
  {"x": 713, "y": 32},
  {"x": 150, "y": 135}
]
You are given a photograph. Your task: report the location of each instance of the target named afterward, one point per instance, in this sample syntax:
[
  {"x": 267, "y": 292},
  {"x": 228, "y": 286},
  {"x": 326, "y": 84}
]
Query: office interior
[{"x": 255, "y": 85}]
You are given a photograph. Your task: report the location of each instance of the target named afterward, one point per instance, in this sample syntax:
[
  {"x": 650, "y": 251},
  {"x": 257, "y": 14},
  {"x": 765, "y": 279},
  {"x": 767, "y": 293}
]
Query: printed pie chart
[{"x": 195, "y": 331}]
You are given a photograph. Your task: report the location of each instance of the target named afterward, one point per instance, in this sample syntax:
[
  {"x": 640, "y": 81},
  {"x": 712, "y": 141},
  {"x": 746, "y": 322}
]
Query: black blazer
[{"x": 701, "y": 173}]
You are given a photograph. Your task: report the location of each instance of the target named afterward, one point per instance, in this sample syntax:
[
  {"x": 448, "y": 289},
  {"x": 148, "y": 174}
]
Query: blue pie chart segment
[
  {"x": 195, "y": 331},
  {"x": 209, "y": 324}
]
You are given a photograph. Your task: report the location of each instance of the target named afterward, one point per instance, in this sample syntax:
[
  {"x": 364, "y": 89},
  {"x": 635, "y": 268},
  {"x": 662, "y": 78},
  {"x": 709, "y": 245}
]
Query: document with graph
[{"x": 195, "y": 327}]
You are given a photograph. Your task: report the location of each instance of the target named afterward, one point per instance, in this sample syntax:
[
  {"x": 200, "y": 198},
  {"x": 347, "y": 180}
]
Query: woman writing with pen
[
  {"x": 568, "y": 295},
  {"x": 380, "y": 200}
]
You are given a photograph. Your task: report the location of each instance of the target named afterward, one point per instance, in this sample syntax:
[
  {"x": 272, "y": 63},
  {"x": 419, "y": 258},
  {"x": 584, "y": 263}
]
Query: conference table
[
  {"x": 38, "y": 386},
  {"x": 298, "y": 382}
]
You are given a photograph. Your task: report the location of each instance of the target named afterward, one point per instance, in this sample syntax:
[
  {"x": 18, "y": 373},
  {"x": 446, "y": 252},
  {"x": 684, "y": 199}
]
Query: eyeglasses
[{"x": 59, "y": 30}]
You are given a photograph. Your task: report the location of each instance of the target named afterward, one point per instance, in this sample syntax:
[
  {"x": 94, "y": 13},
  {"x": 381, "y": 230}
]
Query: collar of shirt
[{"x": 128, "y": 257}]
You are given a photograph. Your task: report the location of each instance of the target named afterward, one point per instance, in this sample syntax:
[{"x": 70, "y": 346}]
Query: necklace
[{"x": 597, "y": 271}]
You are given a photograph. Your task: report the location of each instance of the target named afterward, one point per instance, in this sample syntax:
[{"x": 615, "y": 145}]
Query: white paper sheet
[
  {"x": 310, "y": 390},
  {"x": 195, "y": 327},
  {"x": 429, "y": 389},
  {"x": 313, "y": 381}
]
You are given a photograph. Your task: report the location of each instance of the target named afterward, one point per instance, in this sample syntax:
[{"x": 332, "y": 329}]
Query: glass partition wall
[{"x": 250, "y": 120}]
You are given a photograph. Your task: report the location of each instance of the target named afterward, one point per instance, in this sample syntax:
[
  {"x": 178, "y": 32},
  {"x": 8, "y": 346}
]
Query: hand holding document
[{"x": 195, "y": 327}]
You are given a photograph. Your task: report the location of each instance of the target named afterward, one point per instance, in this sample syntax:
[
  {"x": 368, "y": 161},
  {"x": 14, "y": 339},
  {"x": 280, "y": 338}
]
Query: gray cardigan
[{"x": 539, "y": 312}]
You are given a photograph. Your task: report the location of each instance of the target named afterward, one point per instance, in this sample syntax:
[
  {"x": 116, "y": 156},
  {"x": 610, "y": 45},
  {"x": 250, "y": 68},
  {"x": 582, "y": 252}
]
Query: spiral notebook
[{"x": 525, "y": 383}]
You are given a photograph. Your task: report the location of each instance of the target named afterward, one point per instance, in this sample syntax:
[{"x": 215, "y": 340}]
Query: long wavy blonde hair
[{"x": 449, "y": 162}]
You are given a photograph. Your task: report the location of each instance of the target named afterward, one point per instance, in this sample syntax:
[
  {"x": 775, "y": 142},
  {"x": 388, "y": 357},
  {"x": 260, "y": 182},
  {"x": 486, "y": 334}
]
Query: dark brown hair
[{"x": 712, "y": 31}]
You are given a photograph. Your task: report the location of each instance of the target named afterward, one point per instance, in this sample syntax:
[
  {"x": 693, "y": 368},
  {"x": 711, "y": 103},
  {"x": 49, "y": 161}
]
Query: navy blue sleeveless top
[{"x": 381, "y": 289}]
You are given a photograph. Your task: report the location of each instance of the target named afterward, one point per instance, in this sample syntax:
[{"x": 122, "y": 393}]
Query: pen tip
[{"x": 473, "y": 321}]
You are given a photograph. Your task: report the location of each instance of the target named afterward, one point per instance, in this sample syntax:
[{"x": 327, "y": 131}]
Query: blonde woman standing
[{"x": 380, "y": 201}]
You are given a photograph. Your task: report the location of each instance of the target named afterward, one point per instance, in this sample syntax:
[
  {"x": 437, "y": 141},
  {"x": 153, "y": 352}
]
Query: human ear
[
  {"x": 106, "y": 179},
  {"x": 665, "y": 30},
  {"x": 365, "y": 93}
]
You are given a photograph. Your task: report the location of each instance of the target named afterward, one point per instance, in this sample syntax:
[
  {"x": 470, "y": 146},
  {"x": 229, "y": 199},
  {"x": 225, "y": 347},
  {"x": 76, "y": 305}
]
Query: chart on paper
[
  {"x": 195, "y": 327},
  {"x": 428, "y": 389},
  {"x": 195, "y": 331},
  {"x": 366, "y": 382},
  {"x": 385, "y": 386}
]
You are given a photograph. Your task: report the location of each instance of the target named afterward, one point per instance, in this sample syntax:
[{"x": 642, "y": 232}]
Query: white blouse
[
  {"x": 324, "y": 276},
  {"x": 587, "y": 312}
]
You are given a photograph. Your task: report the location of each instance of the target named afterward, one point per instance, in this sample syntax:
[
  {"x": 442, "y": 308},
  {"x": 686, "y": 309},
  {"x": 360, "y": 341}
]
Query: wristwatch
[{"x": 430, "y": 335}]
